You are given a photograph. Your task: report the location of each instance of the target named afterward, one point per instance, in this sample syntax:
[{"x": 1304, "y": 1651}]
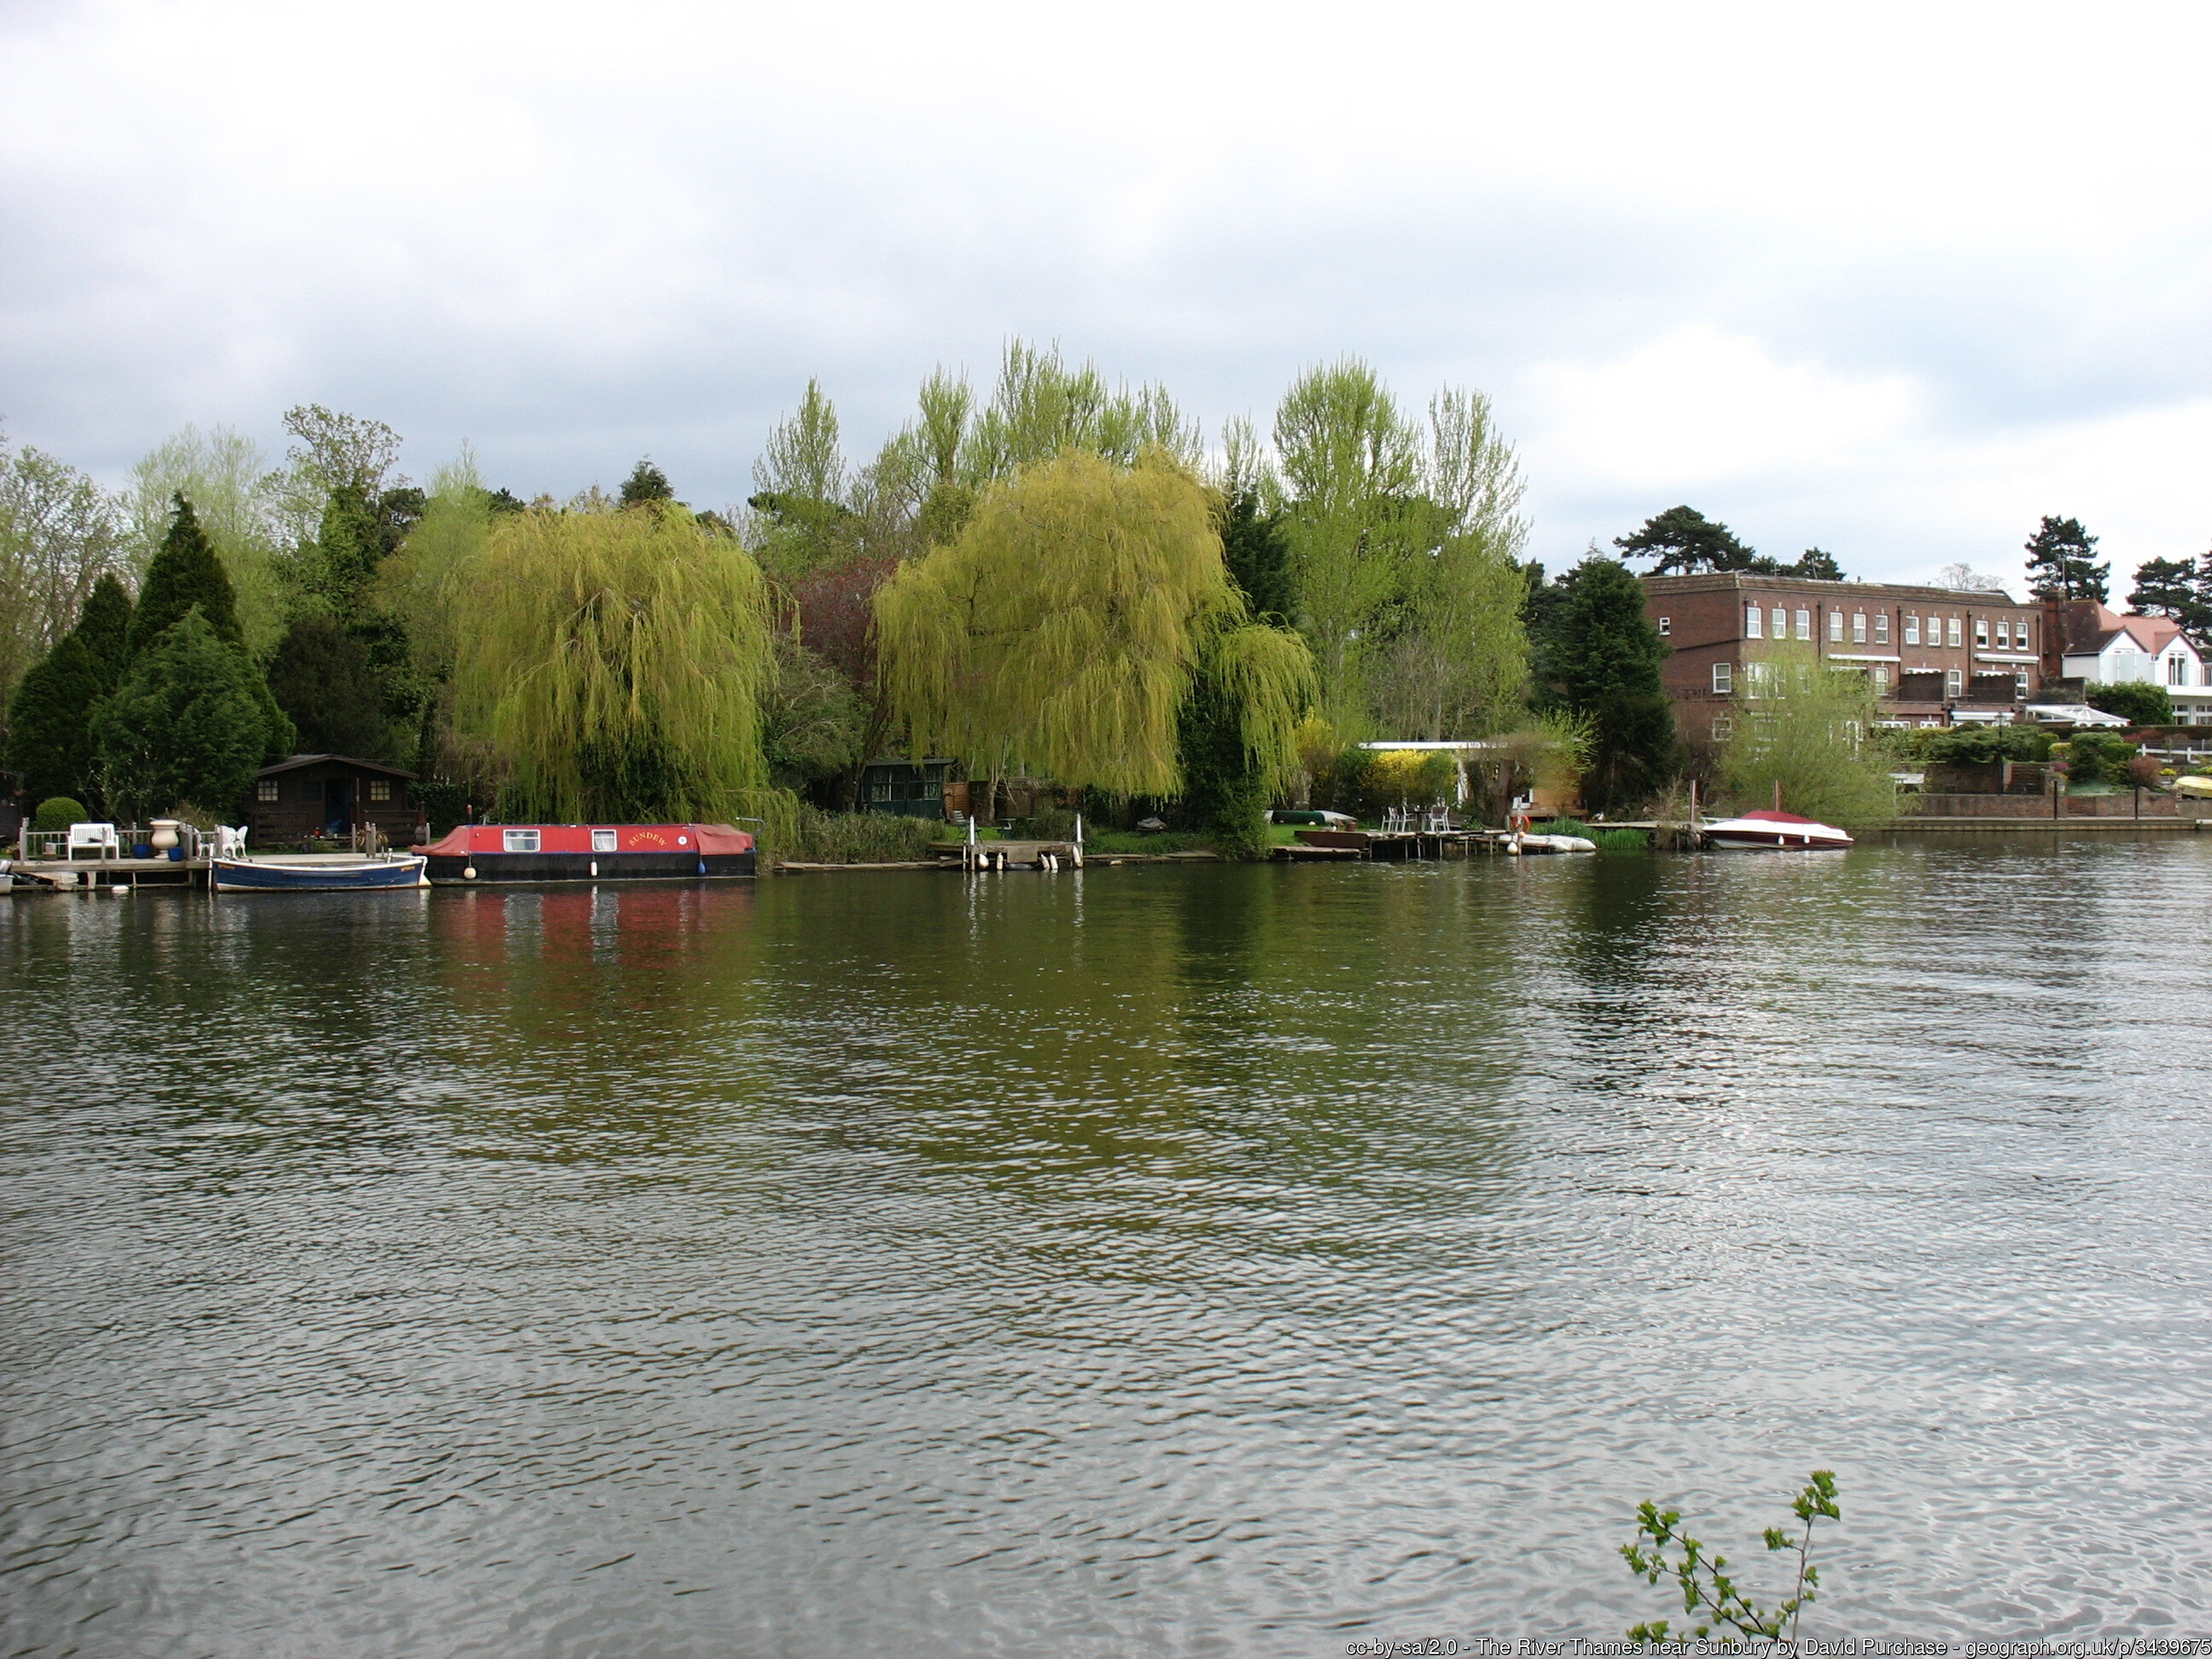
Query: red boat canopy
[
  {"x": 1766, "y": 816},
  {"x": 485, "y": 839}
]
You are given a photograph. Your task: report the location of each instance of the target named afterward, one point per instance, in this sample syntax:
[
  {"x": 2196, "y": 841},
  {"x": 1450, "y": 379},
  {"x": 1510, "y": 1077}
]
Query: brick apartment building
[{"x": 1932, "y": 654}]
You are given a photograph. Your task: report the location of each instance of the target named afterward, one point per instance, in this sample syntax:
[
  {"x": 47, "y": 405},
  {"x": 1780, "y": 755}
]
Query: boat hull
[
  {"x": 1778, "y": 841},
  {"x": 255, "y": 876},
  {"x": 482, "y": 869}
]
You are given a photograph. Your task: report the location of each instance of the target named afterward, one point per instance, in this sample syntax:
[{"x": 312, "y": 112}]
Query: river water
[{"x": 1156, "y": 1260}]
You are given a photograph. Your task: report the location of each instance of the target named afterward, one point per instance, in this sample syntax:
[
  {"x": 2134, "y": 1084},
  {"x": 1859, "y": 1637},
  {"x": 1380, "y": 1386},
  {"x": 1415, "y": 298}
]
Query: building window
[
  {"x": 1858, "y": 628},
  {"x": 1804, "y": 625},
  {"x": 2004, "y": 634},
  {"x": 1912, "y": 631},
  {"x": 518, "y": 841},
  {"x": 380, "y": 788},
  {"x": 1981, "y": 633},
  {"x": 1881, "y": 628},
  {"x": 1756, "y": 677},
  {"x": 1852, "y": 732},
  {"x": 265, "y": 789},
  {"x": 602, "y": 840},
  {"x": 1835, "y": 628},
  {"x": 1666, "y": 626},
  {"x": 1954, "y": 682},
  {"x": 2177, "y": 669},
  {"x": 1781, "y": 624},
  {"x": 1724, "y": 679},
  {"x": 1951, "y": 627},
  {"x": 1721, "y": 727},
  {"x": 2020, "y": 636},
  {"x": 1881, "y": 679},
  {"x": 2020, "y": 686},
  {"x": 1754, "y": 620}
]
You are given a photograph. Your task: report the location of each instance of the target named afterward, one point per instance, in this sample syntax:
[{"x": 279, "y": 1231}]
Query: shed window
[
  {"x": 265, "y": 789},
  {"x": 380, "y": 788},
  {"x": 519, "y": 841},
  {"x": 1835, "y": 628},
  {"x": 1666, "y": 626},
  {"x": 1754, "y": 621},
  {"x": 1724, "y": 679},
  {"x": 602, "y": 840},
  {"x": 1912, "y": 629}
]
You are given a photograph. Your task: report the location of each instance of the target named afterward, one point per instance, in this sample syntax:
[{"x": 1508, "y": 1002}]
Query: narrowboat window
[
  {"x": 602, "y": 840},
  {"x": 265, "y": 790},
  {"x": 380, "y": 788},
  {"x": 519, "y": 841}
]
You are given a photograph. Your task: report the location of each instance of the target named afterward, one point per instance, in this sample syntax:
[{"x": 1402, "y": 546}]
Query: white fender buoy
[{"x": 470, "y": 874}]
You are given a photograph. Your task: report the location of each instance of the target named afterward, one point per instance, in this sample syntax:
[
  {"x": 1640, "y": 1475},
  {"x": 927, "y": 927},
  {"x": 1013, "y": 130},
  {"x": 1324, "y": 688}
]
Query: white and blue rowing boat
[{"x": 312, "y": 874}]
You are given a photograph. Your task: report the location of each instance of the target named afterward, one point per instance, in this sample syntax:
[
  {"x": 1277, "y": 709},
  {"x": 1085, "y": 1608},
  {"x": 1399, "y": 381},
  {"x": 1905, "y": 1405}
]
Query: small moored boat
[
  {"x": 314, "y": 874},
  {"x": 1772, "y": 831}
]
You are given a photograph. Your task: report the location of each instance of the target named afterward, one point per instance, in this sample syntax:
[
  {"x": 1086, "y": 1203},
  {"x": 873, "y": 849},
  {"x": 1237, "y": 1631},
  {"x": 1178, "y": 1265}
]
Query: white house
[{"x": 2107, "y": 647}]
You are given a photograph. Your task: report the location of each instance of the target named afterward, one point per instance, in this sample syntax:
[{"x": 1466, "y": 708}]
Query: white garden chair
[{"x": 229, "y": 842}]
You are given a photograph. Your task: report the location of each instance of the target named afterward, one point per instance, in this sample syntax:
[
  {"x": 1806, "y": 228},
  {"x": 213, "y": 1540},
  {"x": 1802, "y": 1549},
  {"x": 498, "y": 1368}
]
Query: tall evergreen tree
[
  {"x": 646, "y": 483},
  {"x": 322, "y": 678},
  {"x": 187, "y": 726},
  {"x": 1602, "y": 657},
  {"x": 50, "y": 722},
  {"x": 2062, "y": 563},
  {"x": 1684, "y": 540},
  {"x": 2180, "y": 588},
  {"x": 104, "y": 628},
  {"x": 1259, "y": 558},
  {"x": 185, "y": 573}
]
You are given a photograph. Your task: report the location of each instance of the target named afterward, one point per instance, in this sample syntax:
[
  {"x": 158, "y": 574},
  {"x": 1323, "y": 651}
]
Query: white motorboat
[
  {"x": 1524, "y": 845},
  {"x": 1771, "y": 831}
]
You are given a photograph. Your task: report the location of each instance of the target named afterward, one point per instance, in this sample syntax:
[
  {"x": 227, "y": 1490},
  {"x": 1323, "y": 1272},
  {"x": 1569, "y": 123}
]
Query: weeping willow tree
[
  {"x": 1065, "y": 627},
  {"x": 619, "y": 660}
]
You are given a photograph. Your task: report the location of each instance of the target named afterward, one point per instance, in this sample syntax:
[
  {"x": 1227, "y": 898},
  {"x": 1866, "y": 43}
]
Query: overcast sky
[{"x": 1891, "y": 281}]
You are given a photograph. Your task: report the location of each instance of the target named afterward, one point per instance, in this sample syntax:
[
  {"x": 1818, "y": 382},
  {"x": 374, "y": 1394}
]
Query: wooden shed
[{"x": 328, "y": 795}]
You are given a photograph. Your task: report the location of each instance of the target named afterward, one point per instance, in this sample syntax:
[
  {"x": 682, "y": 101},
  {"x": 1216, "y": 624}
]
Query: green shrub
[
  {"x": 58, "y": 812},
  {"x": 1562, "y": 826},
  {"x": 1975, "y": 745},
  {"x": 2138, "y": 701},
  {"x": 1623, "y": 841},
  {"x": 2097, "y": 759}
]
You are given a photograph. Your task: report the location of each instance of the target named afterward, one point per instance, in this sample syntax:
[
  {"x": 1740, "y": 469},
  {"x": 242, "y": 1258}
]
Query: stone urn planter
[{"x": 164, "y": 838}]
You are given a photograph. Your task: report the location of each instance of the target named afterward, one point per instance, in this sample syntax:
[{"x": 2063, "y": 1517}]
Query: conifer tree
[
  {"x": 646, "y": 483},
  {"x": 50, "y": 722},
  {"x": 185, "y": 573},
  {"x": 1601, "y": 657},
  {"x": 104, "y": 628},
  {"x": 322, "y": 678},
  {"x": 187, "y": 726},
  {"x": 1258, "y": 555},
  {"x": 2062, "y": 562}
]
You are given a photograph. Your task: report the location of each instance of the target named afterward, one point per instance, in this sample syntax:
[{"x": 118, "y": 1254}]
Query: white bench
[{"x": 100, "y": 838}]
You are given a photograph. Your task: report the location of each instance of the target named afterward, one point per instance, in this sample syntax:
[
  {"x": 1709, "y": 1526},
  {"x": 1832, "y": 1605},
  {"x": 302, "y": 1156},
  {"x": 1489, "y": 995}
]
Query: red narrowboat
[{"x": 589, "y": 852}]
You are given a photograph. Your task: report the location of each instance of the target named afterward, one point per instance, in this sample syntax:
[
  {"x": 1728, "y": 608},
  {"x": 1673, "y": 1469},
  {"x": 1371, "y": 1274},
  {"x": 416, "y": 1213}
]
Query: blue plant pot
[{"x": 142, "y": 850}]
